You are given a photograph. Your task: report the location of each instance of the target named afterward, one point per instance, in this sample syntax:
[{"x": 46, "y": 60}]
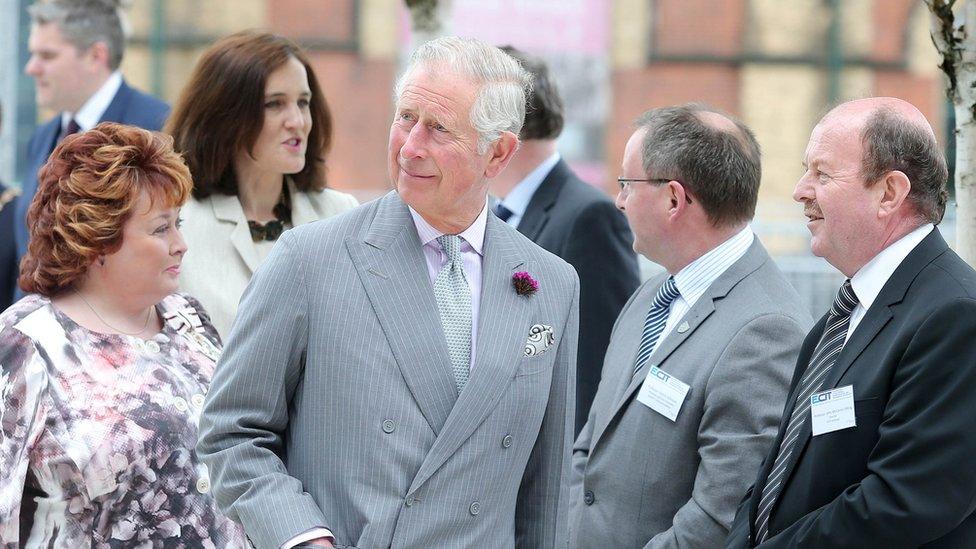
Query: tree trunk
[
  {"x": 964, "y": 104},
  {"x": 957, "y": 43},
  {"x": 427, "y": 20}
]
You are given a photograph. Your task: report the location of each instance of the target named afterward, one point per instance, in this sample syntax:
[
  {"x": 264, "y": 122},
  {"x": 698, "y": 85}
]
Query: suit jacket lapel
[
  {"x": 806, "y": 352},
  {"x": 754, "y": 257},
  {"x": 228, "y": 209},
  {"x": 537, "y": 212},
  {"x": 391, "y": 265},
  {"x": 891, "y": 294},
  {"x": 501, "y": 343},
  {"x": 116, "y": 109},
  {"x": 302, "y": 210}
]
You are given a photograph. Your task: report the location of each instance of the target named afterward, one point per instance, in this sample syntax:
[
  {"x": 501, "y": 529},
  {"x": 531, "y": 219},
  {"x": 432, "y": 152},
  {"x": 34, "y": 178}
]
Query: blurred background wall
[{"x": 776, "y": 64}]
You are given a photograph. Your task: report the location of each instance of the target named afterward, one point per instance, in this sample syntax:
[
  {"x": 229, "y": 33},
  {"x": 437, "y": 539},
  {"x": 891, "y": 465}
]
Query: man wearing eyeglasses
[{"x": 699, "y": 362}]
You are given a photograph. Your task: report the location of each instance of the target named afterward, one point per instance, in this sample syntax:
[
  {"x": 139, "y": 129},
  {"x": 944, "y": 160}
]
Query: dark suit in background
[
  {"x": 580, "y": 224},
  {"x": 575, "y": 221},
  {"x": 130, "y": 106},
  {"x": 8, "y": 248}
]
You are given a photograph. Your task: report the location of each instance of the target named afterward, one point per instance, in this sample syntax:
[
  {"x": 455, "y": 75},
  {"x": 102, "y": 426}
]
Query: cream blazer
[{"x": 221, "y": 257}]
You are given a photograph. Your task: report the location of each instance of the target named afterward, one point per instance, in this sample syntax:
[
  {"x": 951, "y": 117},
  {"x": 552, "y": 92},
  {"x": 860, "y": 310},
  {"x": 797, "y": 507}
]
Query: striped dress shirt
[{"x": 697, "y": 276}]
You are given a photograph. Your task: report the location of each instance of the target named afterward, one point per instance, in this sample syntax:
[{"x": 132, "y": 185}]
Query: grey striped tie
[
  {"x": 657, "y": 318},
  {"x": 453, "y": 297},
  {"x": 824, "y": 356}
]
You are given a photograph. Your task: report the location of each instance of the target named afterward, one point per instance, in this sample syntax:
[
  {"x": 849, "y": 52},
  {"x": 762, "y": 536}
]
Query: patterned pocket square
[{"x": 541, "y": 337}]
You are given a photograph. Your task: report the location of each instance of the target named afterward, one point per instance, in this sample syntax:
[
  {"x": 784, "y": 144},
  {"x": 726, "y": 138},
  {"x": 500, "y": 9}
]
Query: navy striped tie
[
  {"x": 657, "y": 317},
  {"x": 830, "y": 345}
]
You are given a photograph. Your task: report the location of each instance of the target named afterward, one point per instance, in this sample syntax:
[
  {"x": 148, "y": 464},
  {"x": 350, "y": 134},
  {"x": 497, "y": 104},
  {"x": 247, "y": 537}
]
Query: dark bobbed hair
[
  {"x": 221, "y": 111},
  {"x": 720, "y": 167},
  {"x": 891, "y": 143},
  {"x": 86, "y": 192},
  {"x": 544, "y": 107}
]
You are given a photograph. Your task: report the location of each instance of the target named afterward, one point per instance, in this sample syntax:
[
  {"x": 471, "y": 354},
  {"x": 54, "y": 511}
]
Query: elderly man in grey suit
[
  {"x": 402, "y": 375},
  {"x": 699, "y": 362}
]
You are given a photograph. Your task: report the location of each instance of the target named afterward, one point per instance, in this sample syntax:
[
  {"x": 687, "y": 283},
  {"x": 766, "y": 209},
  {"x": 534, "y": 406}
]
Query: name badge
[
  {"x": 832, "y": 410},
  {"x": 663, "y": 393}
]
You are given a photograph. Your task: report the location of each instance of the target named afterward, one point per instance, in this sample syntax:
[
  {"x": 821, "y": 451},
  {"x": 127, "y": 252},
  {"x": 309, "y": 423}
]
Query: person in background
[
  {"x": 103, "y": 367},
  {"x": 254, "y": 128},
  {"x": 8, "y": 246},
  {"x": 541, "y": 196},
  {"x": 699, "y": 362},
  {"x": 875, "y": 447},
  {"x": 76, "y": 47}
]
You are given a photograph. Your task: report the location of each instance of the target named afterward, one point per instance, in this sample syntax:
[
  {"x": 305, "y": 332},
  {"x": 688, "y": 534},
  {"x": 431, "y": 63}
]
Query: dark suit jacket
[
  {"x": 130, "y": 106},
  {"x": 905, "y": 476},
  {"x": 581, "y": 225},
  {"x": 8, "y": 252}
]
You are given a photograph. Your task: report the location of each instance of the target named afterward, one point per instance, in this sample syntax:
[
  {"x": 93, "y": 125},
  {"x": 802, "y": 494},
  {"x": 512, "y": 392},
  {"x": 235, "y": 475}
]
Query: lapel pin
[{"x": 683, "y": 327}]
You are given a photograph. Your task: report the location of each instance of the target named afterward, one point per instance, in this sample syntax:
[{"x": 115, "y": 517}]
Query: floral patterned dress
[{"x": 97, "y": 432}]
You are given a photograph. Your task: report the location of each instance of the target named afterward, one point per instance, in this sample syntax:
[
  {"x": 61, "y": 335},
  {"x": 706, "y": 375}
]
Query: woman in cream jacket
[{"x": 254, "y": 128}]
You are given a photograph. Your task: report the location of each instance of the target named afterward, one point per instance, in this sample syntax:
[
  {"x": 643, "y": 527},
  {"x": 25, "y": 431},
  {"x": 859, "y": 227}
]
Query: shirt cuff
[{"x": 307, "y": 536}]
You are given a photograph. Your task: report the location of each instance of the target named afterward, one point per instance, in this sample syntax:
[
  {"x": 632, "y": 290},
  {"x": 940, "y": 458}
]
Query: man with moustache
[
  {"x": 76, "y": 47},
  {"x": 699, "y": 360},
  {"x": 402, "y": 375},
  {"x": 875, "y": 447}
]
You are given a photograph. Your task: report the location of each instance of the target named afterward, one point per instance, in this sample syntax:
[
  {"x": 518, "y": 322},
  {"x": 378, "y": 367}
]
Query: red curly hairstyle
[{"x": 86, "y": 192}]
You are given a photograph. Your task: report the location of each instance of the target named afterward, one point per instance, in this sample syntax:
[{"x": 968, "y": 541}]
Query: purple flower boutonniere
[{"x": 524, "y": 283}]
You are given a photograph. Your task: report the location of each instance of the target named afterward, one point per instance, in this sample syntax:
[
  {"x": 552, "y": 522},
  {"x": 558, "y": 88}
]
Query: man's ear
[
  {"x": 895, "y": 187},
  {"x": 678, "y": 199},
  {"x": 98, "y": 54},
  {"x": 502, "y": 151}
]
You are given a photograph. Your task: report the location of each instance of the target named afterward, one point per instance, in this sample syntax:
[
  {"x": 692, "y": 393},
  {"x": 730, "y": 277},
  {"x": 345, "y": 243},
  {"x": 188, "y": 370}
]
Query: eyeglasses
[{"x": 625, "y": 183}]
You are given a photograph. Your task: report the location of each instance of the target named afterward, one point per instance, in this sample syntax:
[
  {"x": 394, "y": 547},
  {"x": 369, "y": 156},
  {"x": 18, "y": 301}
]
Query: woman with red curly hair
[{"x": 103, "y": 367}]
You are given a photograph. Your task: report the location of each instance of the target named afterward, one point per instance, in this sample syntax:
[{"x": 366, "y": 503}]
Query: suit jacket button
[
  {"x": 507, "y": 441},
  {"x": 588, "y": 497},
  {"x": 474, "y": 508},
  {"x": 410, "y": 501},
  {"x": 388, "y": 426}
]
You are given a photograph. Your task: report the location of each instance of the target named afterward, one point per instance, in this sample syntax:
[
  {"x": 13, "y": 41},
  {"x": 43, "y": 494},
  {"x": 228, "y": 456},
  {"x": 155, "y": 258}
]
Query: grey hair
[
  {"x": 504, "y": 84},
  {"x": 720, "y": 166},
  {"x": 85, "y": 22},
  {"x": 892, "y": 142}
]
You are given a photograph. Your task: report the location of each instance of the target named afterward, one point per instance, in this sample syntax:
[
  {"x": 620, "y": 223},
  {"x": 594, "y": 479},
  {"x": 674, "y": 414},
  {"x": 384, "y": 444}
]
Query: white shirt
[
  {"x": 868, "y": 281},
  {"x": 472, "y": 246},
  {"x": 697, "y": 276},
  {"x": 517, "y": 200},
  {"x": 91, "y": 112}
]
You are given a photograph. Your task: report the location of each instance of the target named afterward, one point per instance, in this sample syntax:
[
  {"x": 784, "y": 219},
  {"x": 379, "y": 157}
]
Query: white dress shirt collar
[
  {"x": 91, "y": 112},
  {"x": 868, "y": 281},
  {"x": 474, "y": 235},
  {"x": 517, "y": 200},
  {"x": 697, "y": 276}
]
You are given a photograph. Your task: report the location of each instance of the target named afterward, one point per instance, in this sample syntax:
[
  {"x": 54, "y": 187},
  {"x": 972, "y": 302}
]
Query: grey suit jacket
[
  {"x": 641, "y": 480},
  {"x": 334, "y": 403}
]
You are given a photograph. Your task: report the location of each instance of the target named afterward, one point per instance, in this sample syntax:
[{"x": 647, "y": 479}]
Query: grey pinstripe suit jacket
[{"x": 334, "y": 403}]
